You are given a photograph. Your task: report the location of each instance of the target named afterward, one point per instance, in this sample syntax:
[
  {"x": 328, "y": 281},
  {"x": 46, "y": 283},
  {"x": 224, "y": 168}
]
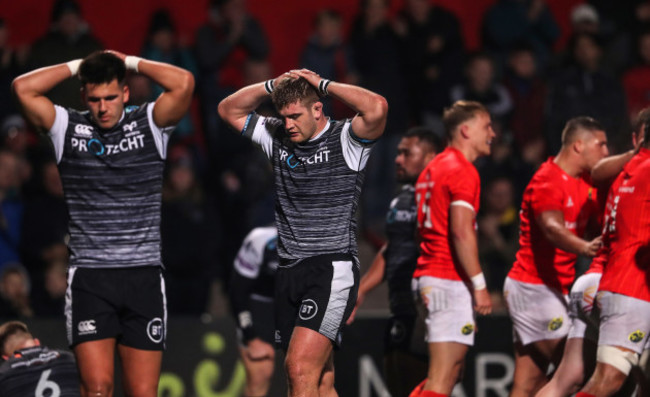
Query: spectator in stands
[
  {"x": 164, "y": 45},
  {"x": 11, "y": 209},
  {"x": 498, "y": 225},
  {"x": 189, "y": 239},
  {"x": 583, "y": 88},
  {"x": 230, "y": 36},
  {"x": 636, "y": 80},
  {"x": 12, "y": 63},
  {"x": 511, "y": 22},
  {"x": 14, "y": 292},
  {"x": 69, "y": 38},
  {"x": 379, "y": 55},
  {"x": 434, "y": 58},
  {"x": 481, "y": 85},
  {"x": 527, "y": 89},
  {"x": 328, "y": 55},
  {"x": 51, "y": 302}
]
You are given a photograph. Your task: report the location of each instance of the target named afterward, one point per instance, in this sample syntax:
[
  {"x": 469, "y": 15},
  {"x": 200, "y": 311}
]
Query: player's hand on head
[
  {"x": 482, "y": 301},
  {"x": 257, "y": 349},
  {"x": 312, "y": 77}
]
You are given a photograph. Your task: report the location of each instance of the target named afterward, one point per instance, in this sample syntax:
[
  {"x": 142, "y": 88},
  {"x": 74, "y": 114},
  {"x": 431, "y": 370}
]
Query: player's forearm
[
  {"x": 171, "y": 78},
  {"x": 606, "y": 170},
  {"x": 38, "y": 82},
  {"x": 464, "y": 244},
  {"x": 375, "y": 273},
  {"x": 372, "y": 108},
  {"x": 236, "y": 107},
  {"x": 565, "y": 240}
]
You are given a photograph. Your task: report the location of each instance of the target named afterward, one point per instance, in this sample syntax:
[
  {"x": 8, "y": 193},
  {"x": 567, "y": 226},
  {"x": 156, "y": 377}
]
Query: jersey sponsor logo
[
  {"x": 467, "y": 329},
  {"x": 86, "y": 327},
  {"x": 308, "y": 309},
  {"x": 130, "y": 127},
  {"x": 155, "y": 330},
  {"x": 395, "y": 215},
  {"x": 555, "y": 324},
  {"x": 626, "y": 189},
  {"x": 83, "y": 130},
  {"x": 636, "y": 336},
  {"x": 98, "y": 148},
  {"x": 321, "y": 156},
  {"x": 569, "y": 202}
]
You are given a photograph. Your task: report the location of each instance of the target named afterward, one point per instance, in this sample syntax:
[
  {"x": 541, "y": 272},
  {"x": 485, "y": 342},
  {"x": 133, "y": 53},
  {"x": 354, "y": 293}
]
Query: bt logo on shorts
[
  {"x": 87, "y": 327},
  {"x": 308, "y": 309},
  {"x": 155, "y": 330},
  {"x": 555, "y": 324},
  {"x": 636, "y": 336}
]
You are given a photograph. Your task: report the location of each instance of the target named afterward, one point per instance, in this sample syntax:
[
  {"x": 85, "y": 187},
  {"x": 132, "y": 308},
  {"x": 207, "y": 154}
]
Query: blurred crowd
[{"x": 218, "y": 185}]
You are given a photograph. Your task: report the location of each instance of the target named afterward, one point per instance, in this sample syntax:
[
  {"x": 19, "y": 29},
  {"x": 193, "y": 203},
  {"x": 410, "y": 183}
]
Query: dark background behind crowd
[{"x": 533, "y": 63}]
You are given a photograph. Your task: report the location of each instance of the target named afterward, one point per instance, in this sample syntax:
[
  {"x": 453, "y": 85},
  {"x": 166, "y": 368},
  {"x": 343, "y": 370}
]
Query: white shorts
[
  {"x": 537, "y": 311},
  {"x": 584, "y": 321},
  {"x": 450, "y": 313},
  {"x": 624, "y": 321}
]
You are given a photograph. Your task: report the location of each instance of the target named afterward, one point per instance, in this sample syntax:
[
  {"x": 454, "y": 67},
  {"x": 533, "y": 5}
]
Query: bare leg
[
  {"x": 570, "y": 375},
  {"x": 258, "y": 374},
  {"x": 95, "y": 361},
  {"x": 306, "y": 361},
  {"x": 140, "y": 371},
  {"x": 445, "y": 364},
  {"x": 531, "y": 363}
]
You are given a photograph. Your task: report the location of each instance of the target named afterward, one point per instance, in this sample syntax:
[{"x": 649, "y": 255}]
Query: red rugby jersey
[
  {"x": 448, "y": 178},
  {"x": 627, "y": 226},
  {"x": 551, "y": 189}
]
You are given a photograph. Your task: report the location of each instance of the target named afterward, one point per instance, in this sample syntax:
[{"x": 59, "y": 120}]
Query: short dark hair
[
  {"x": 101, "y": 67},
  {"x": 571, "y": 128},
  {"x": 426, "y": 135},
  {"x": 9, "y": 329},
  {"x": 460, "y": 112},
  {"x": 289, "y": 91},
  {"x": 641, "y": 126}
]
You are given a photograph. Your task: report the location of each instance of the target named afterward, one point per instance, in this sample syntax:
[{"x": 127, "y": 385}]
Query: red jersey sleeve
[
  {"x": 466, "y": 189},
  {"x": 547, "y": 197}
]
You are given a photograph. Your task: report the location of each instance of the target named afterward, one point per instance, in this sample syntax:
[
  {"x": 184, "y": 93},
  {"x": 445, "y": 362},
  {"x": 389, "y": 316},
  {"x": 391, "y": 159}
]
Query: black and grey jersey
[
  {"x": 254, "y": 276},
  {"x": 39, "y": 371},
  {"x": 402, "y": 252},
  {"x": 317, "y": 185},
  {"x": 112, "y": 181}
]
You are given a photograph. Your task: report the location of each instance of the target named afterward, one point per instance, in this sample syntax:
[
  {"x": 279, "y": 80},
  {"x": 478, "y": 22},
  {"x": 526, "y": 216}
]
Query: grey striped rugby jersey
[
  {"x": 317, "y": 185},
  {"x": 112, "y": 181}
]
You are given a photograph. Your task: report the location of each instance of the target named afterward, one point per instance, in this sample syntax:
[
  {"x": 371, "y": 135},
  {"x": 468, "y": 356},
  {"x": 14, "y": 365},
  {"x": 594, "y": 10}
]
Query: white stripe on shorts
[
  {"x": 164, "y": 299},
  {"x": 68, "y": 304},
  {"x": 342, "y": 283}
]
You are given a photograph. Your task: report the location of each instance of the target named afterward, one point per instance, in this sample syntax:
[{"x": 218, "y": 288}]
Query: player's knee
[
  {"x": 622, "y": 360},
  {"x": 97, "y": 388},
  {"x": 301, "y": 371}
]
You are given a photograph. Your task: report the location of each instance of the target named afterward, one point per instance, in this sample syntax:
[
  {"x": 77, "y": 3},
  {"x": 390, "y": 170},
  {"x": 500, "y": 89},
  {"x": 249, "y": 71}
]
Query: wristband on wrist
[
  {"x": 322, "y": 87},
  {"x": 479, "y": 281},
  {"x": 74, "y": 66},
  {"x": 269, "y": 86},
  {"x": 132, "y": 62}
]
